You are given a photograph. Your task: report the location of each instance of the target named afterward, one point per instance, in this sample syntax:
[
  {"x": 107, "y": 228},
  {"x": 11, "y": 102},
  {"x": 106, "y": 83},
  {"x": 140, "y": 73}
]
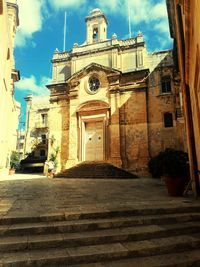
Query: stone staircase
[
  {"x": 96, "y": 170},
  {"x": 144, "y": 237}
]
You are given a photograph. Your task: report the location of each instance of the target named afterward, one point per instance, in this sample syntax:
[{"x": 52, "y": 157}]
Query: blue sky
[{"x": 41, "y": 32}]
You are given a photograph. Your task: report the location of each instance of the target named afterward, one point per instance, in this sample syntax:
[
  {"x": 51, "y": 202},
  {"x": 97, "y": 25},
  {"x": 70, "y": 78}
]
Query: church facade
[{"x": 112, "y": 101}]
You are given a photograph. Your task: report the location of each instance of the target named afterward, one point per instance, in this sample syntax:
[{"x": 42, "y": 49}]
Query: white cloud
[
  {"x": 160, "y": 18},
  {"x": 163, "y": 43},
  {"x": 159, "y": 11},
  {"x": 66, "y": 3},
  {"x": 162, "y": 27},
  {"x": 150, "y": 13},
  {"x": 109, "y": 5},
  {"x": 141, "y": 11},
  {"x": 30, "y": 85},
  {"x": 30, "y": 19}
]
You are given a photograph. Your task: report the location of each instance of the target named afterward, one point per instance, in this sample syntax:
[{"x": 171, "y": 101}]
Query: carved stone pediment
[
  {"x": 93, "y": 67},
  {"x": 93, "y": 106}
]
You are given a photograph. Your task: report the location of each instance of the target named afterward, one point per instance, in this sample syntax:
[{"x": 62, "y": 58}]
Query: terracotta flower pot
[
  {"x": 11, "y": 171},
  {"x": 175, "y": 186}
]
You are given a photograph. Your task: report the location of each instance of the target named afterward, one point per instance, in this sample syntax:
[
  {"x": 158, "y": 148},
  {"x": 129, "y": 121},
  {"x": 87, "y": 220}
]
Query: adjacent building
[
  {"x": 111, "y": 100},
  {"x": 21, "y": 142},
  {"x": 184, "y": 23},
  {"x": 9, "y": 108},
  {"x": 35, "y": 142}
]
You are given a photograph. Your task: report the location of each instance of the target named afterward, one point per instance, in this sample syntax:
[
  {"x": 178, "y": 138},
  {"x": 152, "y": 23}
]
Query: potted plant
[
  {"x": 54, "y": 158},
  {"x": 14, "y": 162},
  {"x": 172, "y": 166}
]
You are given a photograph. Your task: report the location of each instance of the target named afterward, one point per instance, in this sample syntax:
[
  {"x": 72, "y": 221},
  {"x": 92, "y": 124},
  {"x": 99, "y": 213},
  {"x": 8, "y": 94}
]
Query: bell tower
[{"x": 96, "y": 26}]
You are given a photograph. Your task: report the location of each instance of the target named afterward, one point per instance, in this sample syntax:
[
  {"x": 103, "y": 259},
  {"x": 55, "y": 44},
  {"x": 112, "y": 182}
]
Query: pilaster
[
  {"x": 73, "y": 127},
  {"x": 114, "y": 131}
]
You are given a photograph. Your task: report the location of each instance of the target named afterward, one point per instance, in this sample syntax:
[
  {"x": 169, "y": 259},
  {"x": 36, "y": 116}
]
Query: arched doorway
[{"x": 93, "y": 117}]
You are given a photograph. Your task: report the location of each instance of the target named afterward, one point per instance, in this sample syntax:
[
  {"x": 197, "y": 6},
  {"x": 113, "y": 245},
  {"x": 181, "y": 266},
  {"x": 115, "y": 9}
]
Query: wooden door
[{"x": 94, "y": 141}]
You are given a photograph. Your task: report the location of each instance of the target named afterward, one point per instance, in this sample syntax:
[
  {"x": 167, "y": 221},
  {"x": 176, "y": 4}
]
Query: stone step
[
  {"x": 96, "y": 170},
  {"x": 103, "y": 252},
  {"x": 6, "y": 220},
  {"x": 94, "y": 224},
  {"x": 186, "y": 259},
  {"x": 85, "y": 238}
]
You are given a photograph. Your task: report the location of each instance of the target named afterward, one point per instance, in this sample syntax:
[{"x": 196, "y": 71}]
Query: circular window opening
[{"x": 94, "y": 84}]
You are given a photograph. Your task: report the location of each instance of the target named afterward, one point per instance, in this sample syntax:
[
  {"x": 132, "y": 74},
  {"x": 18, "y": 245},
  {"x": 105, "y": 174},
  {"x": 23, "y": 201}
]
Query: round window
[{"x": 94, "y": 84}]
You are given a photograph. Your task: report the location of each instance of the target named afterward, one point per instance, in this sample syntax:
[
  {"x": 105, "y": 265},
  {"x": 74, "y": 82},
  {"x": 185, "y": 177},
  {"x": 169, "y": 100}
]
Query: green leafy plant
[
  {"x": 14, "y": 160},
  {"x": 172, "y": 163},
  {"x": 54, "y": 155}
]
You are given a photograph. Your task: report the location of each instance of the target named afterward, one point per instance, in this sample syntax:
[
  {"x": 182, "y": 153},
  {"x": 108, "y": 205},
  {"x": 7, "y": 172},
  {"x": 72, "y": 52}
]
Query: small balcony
[{"x": 41, "y": 124}]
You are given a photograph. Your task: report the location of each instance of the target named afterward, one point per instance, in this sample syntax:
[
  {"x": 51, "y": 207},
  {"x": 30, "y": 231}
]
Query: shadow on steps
[{"x": 96, "y": 170}]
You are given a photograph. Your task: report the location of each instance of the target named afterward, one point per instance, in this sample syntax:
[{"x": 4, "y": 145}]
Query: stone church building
[{"x": 112, "y": 101}]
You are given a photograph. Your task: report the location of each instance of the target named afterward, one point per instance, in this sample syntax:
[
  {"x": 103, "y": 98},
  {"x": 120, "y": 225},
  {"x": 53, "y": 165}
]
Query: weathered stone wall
[
  {"x": 9, "y": 108},
  {"x": 193, "y": 68},
  {"x": 184, "y": 29},
  {"x": 142, "y": 130},
  {"x": 159, "y": 103},
  {"x": 133, "y": 126}
]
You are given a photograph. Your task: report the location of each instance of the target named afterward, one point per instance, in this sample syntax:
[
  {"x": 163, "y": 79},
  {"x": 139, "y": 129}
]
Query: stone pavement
[
  {"x": 33, "y": 195},
  {"x": 96, "y": 222}
]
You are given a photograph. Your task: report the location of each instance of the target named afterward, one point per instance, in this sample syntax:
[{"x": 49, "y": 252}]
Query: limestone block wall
[
  {"x": 142, "y": 130},
  {"x": 133, "y": 128},
  {"x": 73, "y": 134},
  {"x": 100, "y": 58},
  {"x": 133, "y": 59},
  {"x": 14, "y": 122},
  {"x": 114, "y": 130},
  {"x": 8, "y": 107},
  {"x": 62, "y": 72},
  {"x": 161, "y": 137}
]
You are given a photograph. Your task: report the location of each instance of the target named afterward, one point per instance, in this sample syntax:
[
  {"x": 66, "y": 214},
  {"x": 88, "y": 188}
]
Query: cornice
[{"x": 119, "y": 47}]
